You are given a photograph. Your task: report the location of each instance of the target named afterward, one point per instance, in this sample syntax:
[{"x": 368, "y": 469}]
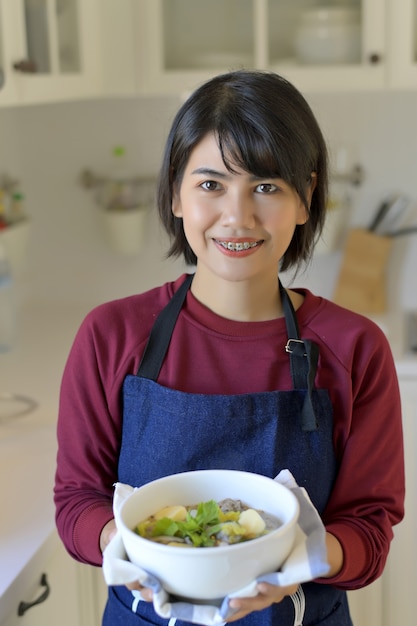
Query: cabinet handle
[
  {"x": 26, "y": 66},
  {"x": 25, "y": 606},
  {"x": 1, "y": 78}
]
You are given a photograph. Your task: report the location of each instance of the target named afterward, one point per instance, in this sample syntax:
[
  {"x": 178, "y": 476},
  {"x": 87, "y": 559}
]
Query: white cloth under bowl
[{"x": 307, "y": 561}]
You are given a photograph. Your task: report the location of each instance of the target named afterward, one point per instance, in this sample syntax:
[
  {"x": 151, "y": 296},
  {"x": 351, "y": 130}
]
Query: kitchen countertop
[
  {"x": 27, "y": 461},
  {"x": 45, "y": 331},
  {"x": 28, "y": 444}
]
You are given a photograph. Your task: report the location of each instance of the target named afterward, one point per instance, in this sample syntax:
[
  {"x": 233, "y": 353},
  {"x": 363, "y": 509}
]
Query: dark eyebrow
[{"x": 207, "y": 171}]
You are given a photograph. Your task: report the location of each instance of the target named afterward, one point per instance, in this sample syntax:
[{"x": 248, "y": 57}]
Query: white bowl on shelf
[
  {"x": 210, "y": 573},
  {"x": 328, "y": 36}
]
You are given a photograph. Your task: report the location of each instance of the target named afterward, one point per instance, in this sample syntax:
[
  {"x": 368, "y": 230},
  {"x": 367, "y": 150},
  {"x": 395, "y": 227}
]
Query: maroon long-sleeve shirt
[{"x": 211, "y": 354}]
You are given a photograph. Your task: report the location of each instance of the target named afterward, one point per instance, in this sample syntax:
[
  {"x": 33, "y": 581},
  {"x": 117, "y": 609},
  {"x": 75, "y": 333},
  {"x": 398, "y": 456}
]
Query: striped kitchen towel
[{"x": 307, "y": 561}]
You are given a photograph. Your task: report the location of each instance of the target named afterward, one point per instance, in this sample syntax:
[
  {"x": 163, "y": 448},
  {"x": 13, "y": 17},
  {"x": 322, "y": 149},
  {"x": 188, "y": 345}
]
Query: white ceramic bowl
[
  {"x": 202, "y": 574},
  {"x": 329, "y": 35}
]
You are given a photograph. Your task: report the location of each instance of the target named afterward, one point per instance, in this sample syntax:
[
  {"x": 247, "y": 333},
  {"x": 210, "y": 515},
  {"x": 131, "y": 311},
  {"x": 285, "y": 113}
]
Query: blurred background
[{"x": 88, "y": 92}]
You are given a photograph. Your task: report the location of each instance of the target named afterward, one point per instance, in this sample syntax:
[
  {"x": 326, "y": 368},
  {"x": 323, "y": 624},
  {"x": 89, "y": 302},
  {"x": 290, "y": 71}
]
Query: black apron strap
[
  {"x": 161, "y": 333},
  {"x": 304, "y": 356}
]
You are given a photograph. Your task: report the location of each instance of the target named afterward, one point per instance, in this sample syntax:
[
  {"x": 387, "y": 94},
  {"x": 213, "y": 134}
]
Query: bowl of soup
[{"x": 207, "y": 533}]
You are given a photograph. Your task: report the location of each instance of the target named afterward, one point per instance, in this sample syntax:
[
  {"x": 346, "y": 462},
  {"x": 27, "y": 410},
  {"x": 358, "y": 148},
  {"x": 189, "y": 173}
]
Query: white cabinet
[
  {"x": 366, "y": 605},
  {"x": 52, "y": 582},
  {"x": 183, "y": 42},
  {"x": 54, "y": 50},
  {"x": 57, "y": 589},
  {"x": 399, "y": 576},
  {"x": 402, "y": 50},
  {"x": 389, "y": 601},
  {"x": 49, "y": 50}
]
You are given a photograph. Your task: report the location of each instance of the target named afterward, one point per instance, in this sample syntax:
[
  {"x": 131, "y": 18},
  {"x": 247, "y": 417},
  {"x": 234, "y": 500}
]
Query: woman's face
[{"x": 237, "y": 224}]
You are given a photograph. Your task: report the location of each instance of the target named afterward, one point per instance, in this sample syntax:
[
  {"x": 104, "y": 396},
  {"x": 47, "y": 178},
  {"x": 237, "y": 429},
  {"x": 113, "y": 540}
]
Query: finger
[
  {"x": 145, "y": 592},
  {"x": 267, "y": 595},
  {"x": 237, "y": 615},
  {"x": 134, "y": 586},
  {"x": 244, "y": 606},
  {"x": 275, "y": 593}
]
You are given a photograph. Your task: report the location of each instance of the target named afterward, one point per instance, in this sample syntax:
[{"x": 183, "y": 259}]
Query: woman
[{"x": 238, "y": 372}]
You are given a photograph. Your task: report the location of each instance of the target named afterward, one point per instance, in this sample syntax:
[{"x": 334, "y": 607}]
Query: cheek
[
  {"x": 281, "y": 221},
  {"x": 197, "y": 213},
  {"x": 193, "y": 220}
]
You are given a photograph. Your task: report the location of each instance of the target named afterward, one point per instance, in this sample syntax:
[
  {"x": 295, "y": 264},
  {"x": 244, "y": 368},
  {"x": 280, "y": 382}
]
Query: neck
[{"x": 251, "y": 300}]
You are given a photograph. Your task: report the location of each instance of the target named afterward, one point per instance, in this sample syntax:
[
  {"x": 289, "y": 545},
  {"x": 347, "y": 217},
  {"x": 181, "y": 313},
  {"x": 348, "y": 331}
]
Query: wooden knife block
[{"x": 362, "y": 282}]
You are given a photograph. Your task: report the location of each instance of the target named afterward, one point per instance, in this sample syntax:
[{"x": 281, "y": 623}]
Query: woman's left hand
[{"x": 267, "y": 595}]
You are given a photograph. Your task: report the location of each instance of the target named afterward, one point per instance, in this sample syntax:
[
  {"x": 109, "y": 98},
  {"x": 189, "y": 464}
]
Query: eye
[
  {"x": 210, "y": 185},
  {"x": 266, "y": 188}
]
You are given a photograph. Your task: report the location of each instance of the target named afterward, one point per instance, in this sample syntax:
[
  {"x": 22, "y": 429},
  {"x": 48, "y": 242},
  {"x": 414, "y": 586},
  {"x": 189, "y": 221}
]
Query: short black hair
[{"x": 265, "y": 126}]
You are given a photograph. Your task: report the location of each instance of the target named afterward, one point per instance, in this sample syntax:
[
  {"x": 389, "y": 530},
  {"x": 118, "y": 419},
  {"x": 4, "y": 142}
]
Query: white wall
[
  {"x": 46, "y": 147},
  {"x": 379, "y": 131},
  {"x": 68, "y": 258}
]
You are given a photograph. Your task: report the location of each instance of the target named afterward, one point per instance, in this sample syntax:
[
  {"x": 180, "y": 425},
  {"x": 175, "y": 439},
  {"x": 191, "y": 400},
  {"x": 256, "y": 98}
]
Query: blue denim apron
[{"x": 167, "y": 431}]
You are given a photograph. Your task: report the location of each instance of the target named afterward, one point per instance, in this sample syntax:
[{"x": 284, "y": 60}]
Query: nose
[{"x": 239, "y": 210}]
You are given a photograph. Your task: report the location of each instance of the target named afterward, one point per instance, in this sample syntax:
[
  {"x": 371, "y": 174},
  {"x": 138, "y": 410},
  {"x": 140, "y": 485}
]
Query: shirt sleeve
[
  {"x": 107, "y": 347},
  {"x": 368, "y": 495},
  {"x": 89, "y": 430}
]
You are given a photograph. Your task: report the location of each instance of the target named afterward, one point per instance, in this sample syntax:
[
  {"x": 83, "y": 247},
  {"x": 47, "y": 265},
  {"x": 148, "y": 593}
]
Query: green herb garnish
[{"x": 199, "y": 528}]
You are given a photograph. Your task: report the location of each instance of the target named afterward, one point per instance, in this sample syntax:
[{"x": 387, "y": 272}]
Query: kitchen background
[
  {"x": 47, "y": 146},
  {"x": 368, "y": 115}
]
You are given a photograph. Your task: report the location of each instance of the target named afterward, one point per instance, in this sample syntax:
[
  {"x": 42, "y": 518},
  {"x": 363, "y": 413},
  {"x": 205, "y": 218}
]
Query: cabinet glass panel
[
  {"x": 52, "y": 35},
  {"x": 37, "y": 35},
  {"x": 415, "y": 32},
  {"x": 315, "y": 32},
  {"x": 1, "y": 53},
  {"x": 198, "y": 34},
  {"x": 68, "y": 36}
]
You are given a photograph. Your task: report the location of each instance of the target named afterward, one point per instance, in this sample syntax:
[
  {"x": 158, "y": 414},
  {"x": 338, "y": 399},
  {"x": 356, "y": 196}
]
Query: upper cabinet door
[
  {"x": 9, "y": 46},
  {"x": 50, "y": 50},
  {"x": 183, "y": 42},
  {"x": 319, "y": 45},
  {"x": 402, "y": 18},
  {"x": 327, "y": 45}
]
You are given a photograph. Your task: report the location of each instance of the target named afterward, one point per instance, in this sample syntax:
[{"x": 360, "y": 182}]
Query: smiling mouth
[{"x": 238, "y": 246}]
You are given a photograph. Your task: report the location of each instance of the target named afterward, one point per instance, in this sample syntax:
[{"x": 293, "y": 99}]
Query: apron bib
[{"x": 166, "y": 431}]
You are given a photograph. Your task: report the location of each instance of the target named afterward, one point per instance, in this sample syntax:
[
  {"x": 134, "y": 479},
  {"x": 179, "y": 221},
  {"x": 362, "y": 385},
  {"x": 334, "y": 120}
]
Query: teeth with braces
[{"x": 237, "y": 247}]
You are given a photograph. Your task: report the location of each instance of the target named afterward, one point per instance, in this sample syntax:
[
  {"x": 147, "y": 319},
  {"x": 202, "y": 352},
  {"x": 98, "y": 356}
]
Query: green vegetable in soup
[{"x": 206, "y": 525}]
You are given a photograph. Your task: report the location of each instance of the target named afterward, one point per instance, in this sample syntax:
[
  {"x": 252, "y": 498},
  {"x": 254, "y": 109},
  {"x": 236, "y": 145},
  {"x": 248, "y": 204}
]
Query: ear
[
  {"x": 176, "y": 204},
  {"x": 311, "y": 186},
  {"x": 303, "y": 214}
]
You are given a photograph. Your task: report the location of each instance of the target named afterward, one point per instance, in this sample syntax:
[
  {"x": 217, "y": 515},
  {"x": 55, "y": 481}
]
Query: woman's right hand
[{"x": 107, "y": 533}]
